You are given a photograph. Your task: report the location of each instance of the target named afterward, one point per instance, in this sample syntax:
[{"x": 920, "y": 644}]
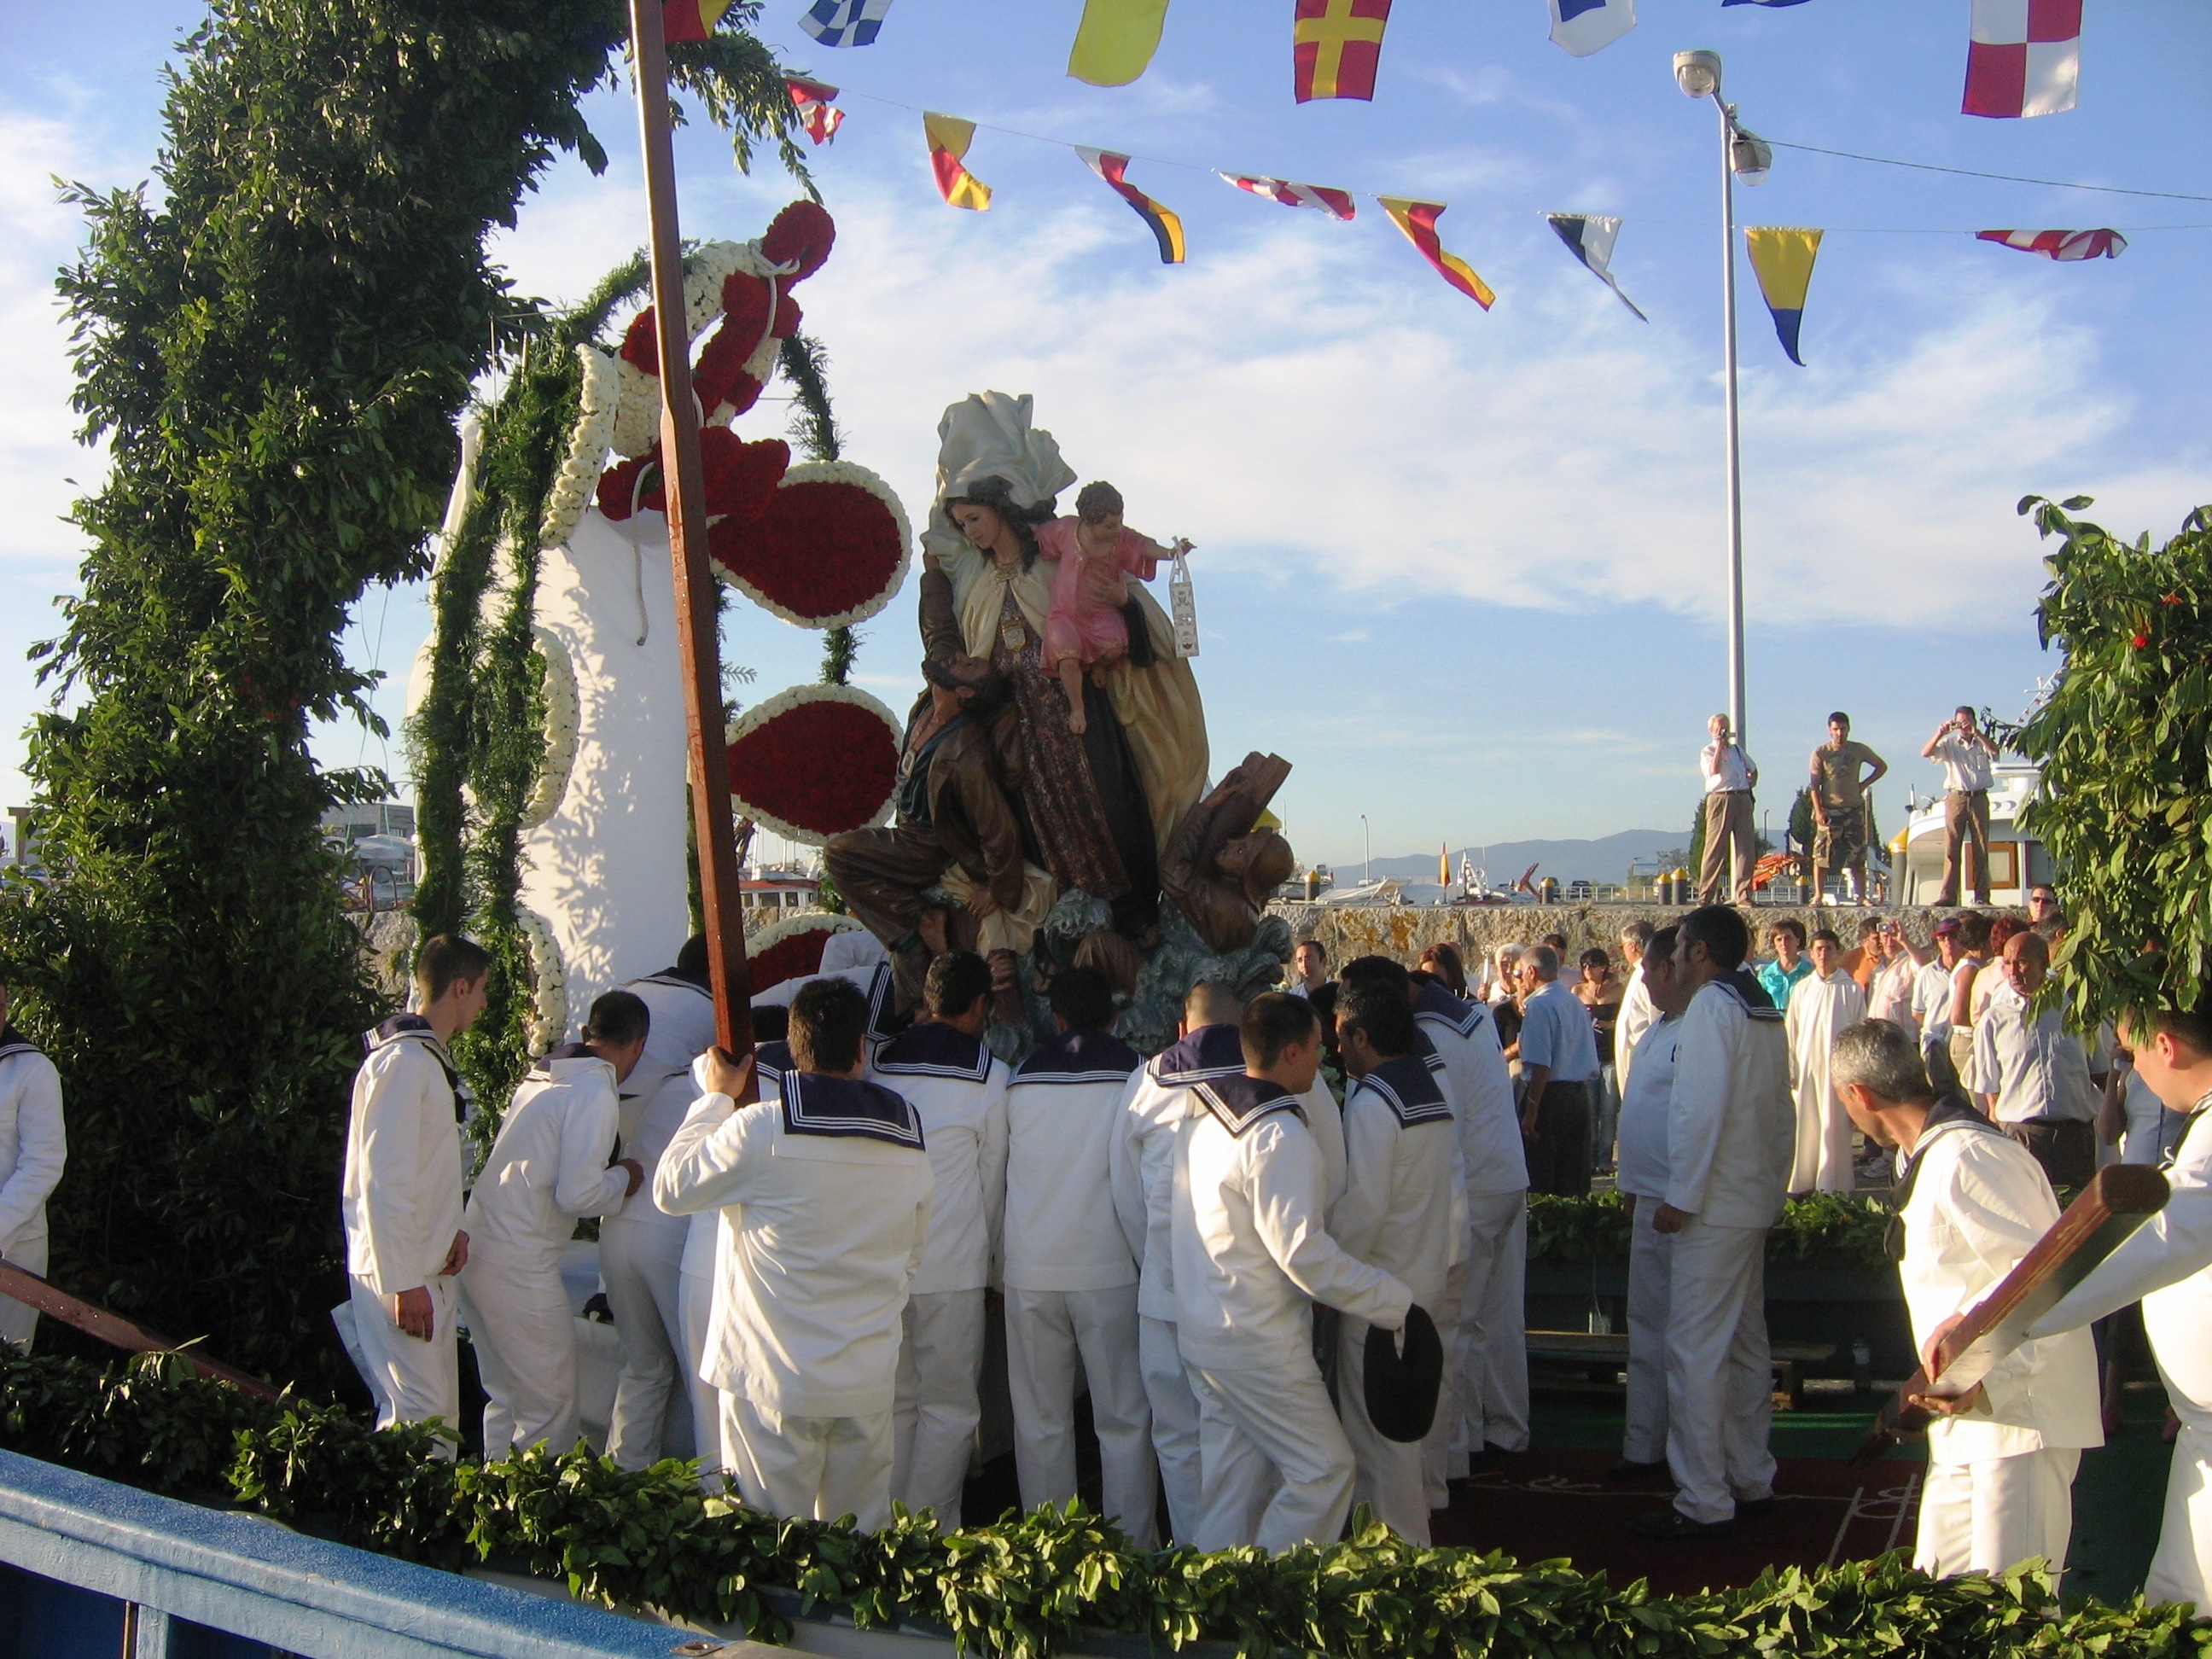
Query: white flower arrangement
[
  {"x": 548, "y": 979},
  {"x": 845, "y": 472},
  {"x": 578, "y": 480},
  {"x": 562, "y": 715},
  {"x": 775, "y": 932},
  {"x": 637, "y": 410},
  {"x": 636, "y": 420},
  {"x": 761, "y": 714}
]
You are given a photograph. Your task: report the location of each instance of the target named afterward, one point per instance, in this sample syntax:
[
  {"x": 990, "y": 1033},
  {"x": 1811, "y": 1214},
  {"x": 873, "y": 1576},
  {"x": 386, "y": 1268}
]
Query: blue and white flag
[
  {"x": 845, "y": 22},
  {"x": 1762, "y": 2},
  {"x": 1584, "y": 27},
  {"x": 1589, "y": 237}
]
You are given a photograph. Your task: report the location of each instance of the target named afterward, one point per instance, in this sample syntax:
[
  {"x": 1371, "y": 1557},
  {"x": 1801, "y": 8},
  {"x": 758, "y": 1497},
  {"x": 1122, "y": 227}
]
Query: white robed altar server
[
  {"x": 958, "y": 1089},
  {"x": 548, "y": 1169},
  {"x": 824, "y": 1193},
  {"x": 1071, "y": 1280},
  {"x": 34, "y": 1147},
  {"x": 1971, "y": 1204},
  {"x": 1821, "y": 1005}
]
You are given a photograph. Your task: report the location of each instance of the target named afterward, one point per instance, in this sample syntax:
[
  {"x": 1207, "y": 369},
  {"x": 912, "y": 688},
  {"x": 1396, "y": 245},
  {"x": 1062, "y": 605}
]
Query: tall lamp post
[
  {"x": 1698, "y": 74},
  {"x": 1367, "y": 863}
]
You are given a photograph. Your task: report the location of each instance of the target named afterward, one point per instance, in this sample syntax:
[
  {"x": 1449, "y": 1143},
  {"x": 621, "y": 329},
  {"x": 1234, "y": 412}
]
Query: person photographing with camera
[{"x": 1966, "y": 754}]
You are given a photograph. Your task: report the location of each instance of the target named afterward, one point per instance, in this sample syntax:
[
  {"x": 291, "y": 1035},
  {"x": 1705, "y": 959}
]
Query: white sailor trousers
[
  {"x": 817, "y": 1468},
  {"x": 1720, "y": 1374},
  {"x": 1443, "y": 1448},
  {"x": 695, "y": 1310},
  {"x": 1388, "y": 1476},
  {"x": 938, "y": 1402},
  {"x": 1046, "y": 1332},
  {"x": 1493, "y": 1345},
  {"x": 1650, "y": 1289},
  {"x": 640, "y": 1263},
  {"x": 2181, "y": 1339},
  {"x": 1256, "y": 1427},
  {"x": 523, "y": 1330},
  {"x": 413, "y": 1381},
  {"x": 18, "y": 1321},
  {"x": 1175, "y": 1422},
  {"x": 1992, "y": 1514}
]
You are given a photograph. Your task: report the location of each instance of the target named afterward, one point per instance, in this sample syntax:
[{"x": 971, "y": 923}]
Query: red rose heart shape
[
  {"x": 797, "y": 955},
  {"x": 820, "y": 550},
  {"x": 819, "y": 765}
]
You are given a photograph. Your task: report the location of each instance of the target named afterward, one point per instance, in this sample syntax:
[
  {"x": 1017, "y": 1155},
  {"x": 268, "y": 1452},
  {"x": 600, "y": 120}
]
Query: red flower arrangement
[
  {"x": 740, "y": 477},
  {"x": 814, "y": 762},
  {"x": 791, "y": 949},
  {"x": 822, "y": 550}
]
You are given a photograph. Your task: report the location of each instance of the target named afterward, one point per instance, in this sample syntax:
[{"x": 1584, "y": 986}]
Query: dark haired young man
[
  {"x": 546, "y": 1170},
  {"x": 824, "y": 1192}
]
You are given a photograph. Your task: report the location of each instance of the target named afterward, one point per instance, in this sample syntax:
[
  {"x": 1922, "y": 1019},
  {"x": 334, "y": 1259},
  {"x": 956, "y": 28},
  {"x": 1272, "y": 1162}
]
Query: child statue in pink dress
[{"x": 1096, "y": 555}]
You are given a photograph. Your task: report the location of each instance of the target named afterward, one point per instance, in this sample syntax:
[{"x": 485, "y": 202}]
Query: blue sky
[{"x": 1464, "y": 570}]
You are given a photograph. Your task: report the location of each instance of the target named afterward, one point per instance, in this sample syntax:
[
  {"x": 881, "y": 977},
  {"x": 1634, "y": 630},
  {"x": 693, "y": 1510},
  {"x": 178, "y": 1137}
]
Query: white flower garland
[
  {"x": 636, "y": 419},
  {"x": 577, "y": 481},
  {"x": 802, "y": 921},
  {"x": 845, "y": 472},
  {"x": 549, "y": 978},
  {"x": 637, "y": 411},
  {"x": 762, "y": 713},
  {"x": 562, "y": 713}
]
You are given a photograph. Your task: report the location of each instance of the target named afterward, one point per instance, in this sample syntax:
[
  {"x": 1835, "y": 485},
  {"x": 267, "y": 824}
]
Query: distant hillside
[{"x": 1606, "y": 859}]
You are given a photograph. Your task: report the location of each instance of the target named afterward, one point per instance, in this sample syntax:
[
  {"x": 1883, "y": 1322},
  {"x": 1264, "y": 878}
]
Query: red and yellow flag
[
  {"x": 816, "y": 102},
  {"x": 1165, "y": 226},
  {"x": 1419, "y": 221},
  {"x": 949, "y": 138},
  {"x": 690, "y": 20},
  {"x": 1335, "y": 45}
]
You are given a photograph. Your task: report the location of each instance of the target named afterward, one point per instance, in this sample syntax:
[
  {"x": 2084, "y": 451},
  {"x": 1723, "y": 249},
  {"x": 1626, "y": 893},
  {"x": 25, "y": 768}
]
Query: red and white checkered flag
[
  {"x": 2024, "y": 58},
  {"x": 2061, "y": 243}
]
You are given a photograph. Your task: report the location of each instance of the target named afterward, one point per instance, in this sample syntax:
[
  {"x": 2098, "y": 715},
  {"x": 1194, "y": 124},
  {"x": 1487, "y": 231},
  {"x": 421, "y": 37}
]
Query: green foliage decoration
[
  {"x": 1821, "y": 1229},
  {"x": 2123, "y": 735}
]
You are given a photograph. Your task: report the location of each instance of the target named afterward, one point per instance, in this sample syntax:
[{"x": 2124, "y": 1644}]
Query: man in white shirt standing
[
  {"x": 1637, "y": 1014},
  {"x": 1558, "y": 1066},
  {"x": 958, "y": 1089},
  {"x": 1966, "y": 753},
  {"x": 1308, "y": 967},
  {"x": 824, "y": 1193},
  {"x": 1730, "y": 776},
  {"x": 2032, "y": 1076},
  {"x": 1071, "y": 1281},
  {"x": 1821, "y": 1006},
  {"x": 402, "y": 1194},
  {"x": 1730, "y": 1132},
  {"x": 1641, "y": 1181},
  {"x": 548, "y": 1171},
  {"x": 1251, "y": 1255},
  {"x": 1971, "y": 1204},
  {"x": 33, "y": 1148}
]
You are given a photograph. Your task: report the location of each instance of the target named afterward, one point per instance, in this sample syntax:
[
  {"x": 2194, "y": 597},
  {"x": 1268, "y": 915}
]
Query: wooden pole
[{"x": 686, "y": 491}]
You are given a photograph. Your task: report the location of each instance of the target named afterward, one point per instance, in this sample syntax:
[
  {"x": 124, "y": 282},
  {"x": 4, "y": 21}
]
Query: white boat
[{"x": 2017, "y": 860}]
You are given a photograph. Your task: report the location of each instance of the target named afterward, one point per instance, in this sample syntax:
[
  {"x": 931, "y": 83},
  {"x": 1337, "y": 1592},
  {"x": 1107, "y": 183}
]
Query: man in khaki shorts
[{"x": 1839, "y": 815}]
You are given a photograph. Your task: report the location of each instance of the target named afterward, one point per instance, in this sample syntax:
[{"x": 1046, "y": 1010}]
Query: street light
[{"x": 1367, "y": 864}]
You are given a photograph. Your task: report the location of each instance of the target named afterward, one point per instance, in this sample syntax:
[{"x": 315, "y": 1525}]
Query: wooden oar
[
  {"x": 2119, "y": 1199},
  {"x": 115, "y": 1330}
]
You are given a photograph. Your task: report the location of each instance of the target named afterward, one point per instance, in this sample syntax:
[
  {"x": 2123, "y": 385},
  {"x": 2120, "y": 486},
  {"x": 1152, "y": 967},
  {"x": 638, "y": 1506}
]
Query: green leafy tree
[{"x": 274, "y": 345}]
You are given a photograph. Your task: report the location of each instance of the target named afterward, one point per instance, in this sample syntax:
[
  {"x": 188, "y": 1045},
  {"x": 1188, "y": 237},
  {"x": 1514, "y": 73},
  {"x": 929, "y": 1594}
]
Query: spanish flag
[
  {"x": 1419, "y": 221},
  {"x": 949, "y": 138},
  {"x": 1166, "y": 229},
  {"x": 690, "y": 20},
  {"x": 1335, "y": 45},
  {"x": 1115, "y": 41},
  {"x": 1784, "y": 262}
]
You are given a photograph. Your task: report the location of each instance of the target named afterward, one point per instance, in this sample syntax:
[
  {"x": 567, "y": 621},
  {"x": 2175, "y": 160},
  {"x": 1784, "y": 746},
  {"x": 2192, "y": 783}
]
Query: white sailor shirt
[
  {"x": 1492, "y": 1156},
  {"x": 1402, "y": 1206},
  {"x": 1731, "y": 1124},
  {"x": 401, "y": 1195},
  {"x": 1063, "y": 1111},
  {"x": 549, "y": 1167},
  {"x": 957, "y": 1088},
  {"x": 33, "y": 1146}
]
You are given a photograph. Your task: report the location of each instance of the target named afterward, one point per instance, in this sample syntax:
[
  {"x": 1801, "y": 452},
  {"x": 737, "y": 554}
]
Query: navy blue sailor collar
[
  {"x": 1437, "y": 1004},
  {"x": 560, "y": 1051},
  {"x": 1743, "y": 985},
  {"x": 930, "y": 1047},
  {"x": 1211, "y": 1051},
  {"x": 1408, "y": 1088},
  {"x": 13, "y": 1043},
  {"x": 1425, "y": 1050},
  {"x": 413, "y": 1028},
  {"x": 1237, "y": 1102},
  {"x": 817, "y": 1103},
  {"x": 772, "y": 1063},
  {"x": 675, "y": 979},
  {"x": 1080, "y": 1056}
]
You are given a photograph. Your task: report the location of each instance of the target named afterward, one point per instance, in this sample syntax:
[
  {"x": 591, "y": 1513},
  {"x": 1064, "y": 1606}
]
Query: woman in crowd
[{"x": 1601, "y": 993}]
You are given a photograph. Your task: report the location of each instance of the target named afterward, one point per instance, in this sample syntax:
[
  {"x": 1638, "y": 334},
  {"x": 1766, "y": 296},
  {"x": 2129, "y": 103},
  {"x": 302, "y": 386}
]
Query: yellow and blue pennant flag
[{"x": 1784, "y": 262}]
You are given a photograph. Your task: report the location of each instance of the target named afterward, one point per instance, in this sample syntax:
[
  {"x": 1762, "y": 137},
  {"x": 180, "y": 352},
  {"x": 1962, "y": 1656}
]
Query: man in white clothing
[
  {"x": 1398, "y": 1213},
  {"x": 548, "y": 1169},
  {"x": 1970, "y": 1204},
  {"x": 1897, "y": 973},
  {"x": 1308, "y": 967},
  {"x": 1071, "y": 1281},
  {"x": 1730, "y": 1136},
  {"x": 34, "y": 1147},
  {"x": 1821, "y": 1006},
  {"x": 1730, "y": 776},
  {"x": 1641, "y": 1181},
  {"x": 641, "y": 1249},
  {"x": 958, "y": 1089},
  {"x": 402, "y": 1190},
  {"x": 1637, "y": 1014},
  {"x": 2032, "y": 1076},
  {"x": 824, "y": 1193},
  {"x": 1966, "y": 754},
  {"x": 1931, "y": 1000},
  {"x": 1250, "y": 1255}
]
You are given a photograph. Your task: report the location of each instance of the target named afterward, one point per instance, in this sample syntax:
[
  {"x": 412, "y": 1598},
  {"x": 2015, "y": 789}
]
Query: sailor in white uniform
[
  {"x": 548, "y": 1169},
  {"x": 1071, "y": 1281},
  {"x": 1401, "y": 1211},
  {"x": 1641, "y": 1180},
  {"x": 33, "y": 1150},
  {"x": 641, "y": 1249},
  {"x": 1730, "y": 1133},
  {"x": 825, "y": 1199},
  {"x": 958, "y": 1089},
  {"x": 856, "y": 956},
  {"x": 1971, "y": 1203},
  {"x": 402, "y": 1192},
  {"x": 1250, "y": 1255},
  {"x": 2167, "y": 1264}
]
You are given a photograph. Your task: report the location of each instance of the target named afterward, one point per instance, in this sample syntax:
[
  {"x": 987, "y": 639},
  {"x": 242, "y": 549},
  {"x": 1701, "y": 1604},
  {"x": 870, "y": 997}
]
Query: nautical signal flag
[
  {"x": 1166, "y": 229},
  {"x": 1784, "y": 262},
  {"x": 1419, "y": 221},
  {"x": 814, "y": 102},
  {"x": 1762, "y": 2},
  {"x": 2023, "y": 57},
  {"x": 1337, "y": 204},
  {"x": 949, "y": 137},
  {"x": 1583, "y": 27},
  {"x": 1589, "y": 237},
  {"x": 690, "y": 20},
  {"x": 1115, "y": 41},
  {"x": 1335, "y": 45},
  {"x": 2068, "y": 245},
  {"x": 845, "y": 22}
]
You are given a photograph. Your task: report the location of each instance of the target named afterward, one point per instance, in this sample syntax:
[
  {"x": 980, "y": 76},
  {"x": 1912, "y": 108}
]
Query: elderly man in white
[
  {"x": 1821, "y": 1005},
  {"x": 1971, "y": 1203},
  {"x": 33, "y": 1150},
  {"x": 2033, "y": 1077},
  {"x": 1730, "y": 776},
  {"x": 1641, "y": 1180}
]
